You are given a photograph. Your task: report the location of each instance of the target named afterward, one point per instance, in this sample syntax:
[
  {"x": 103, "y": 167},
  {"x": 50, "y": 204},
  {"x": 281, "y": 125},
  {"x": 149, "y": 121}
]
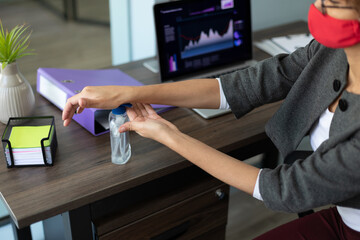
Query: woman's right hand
[
  {"x": 104, "y": 97},
  {"x": 147, "y": 123}
]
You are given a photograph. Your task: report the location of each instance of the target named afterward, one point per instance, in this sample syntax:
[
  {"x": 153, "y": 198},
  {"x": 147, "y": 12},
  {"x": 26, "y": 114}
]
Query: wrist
[
  {"x": 169, "y": 137},
  {"x": 125, "y": 94}
]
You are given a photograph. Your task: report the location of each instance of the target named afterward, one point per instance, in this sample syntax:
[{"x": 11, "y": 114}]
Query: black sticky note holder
[{"x": 48, "y": 160}]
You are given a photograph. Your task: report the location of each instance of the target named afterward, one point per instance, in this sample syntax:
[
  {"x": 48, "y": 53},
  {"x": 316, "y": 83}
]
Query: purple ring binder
[{"x": 57, "y": 85}]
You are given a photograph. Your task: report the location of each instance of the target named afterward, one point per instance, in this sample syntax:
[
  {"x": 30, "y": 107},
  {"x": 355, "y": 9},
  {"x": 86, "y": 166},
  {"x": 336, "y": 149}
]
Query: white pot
[{"x": 16, "y": 95}]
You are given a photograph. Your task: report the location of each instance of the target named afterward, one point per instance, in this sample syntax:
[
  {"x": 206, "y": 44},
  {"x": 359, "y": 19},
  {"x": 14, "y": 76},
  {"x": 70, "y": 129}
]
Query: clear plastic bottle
[{"x": 120, "y": 144}]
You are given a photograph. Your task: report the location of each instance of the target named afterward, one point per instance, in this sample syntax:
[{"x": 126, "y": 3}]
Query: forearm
[
  {"x": 229, "y": 170},
  {"x": 199, "y": 93}
]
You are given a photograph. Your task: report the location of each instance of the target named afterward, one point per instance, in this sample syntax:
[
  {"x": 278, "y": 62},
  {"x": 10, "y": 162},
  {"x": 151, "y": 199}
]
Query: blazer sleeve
[
  {"x": 268, "y": 81},
  {"x": 329, "y": 176}
]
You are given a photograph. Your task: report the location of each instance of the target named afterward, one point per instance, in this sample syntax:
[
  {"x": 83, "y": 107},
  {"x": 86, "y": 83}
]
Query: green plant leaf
[
  {"x": 2, "y": 48},
  {"x": 2, "y": 39},
  {"x": 15, "y": 54},
  {"x": 6, "y": 43},
  {"x": 4, "y": 64},
  {"x": 19, "y": 52},
  {"x": 14, "y": 44},
  {"x": 24, "y": 54},
  {"x": 14, "y": 35},
  {"x": 14, "y": 39},
  {"x": 21, "y": 42},
  {"x": 2, "y": 33}
]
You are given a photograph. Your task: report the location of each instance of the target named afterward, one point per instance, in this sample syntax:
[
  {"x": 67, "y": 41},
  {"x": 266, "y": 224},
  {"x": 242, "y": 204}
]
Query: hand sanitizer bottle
[{"x": 120, "y": 144}]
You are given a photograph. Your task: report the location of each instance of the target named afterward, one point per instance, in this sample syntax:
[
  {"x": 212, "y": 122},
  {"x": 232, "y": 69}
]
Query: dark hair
[{"x": 356, "y": 4}]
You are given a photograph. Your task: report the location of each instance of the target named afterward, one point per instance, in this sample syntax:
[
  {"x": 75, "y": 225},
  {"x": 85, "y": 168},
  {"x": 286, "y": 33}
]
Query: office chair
[{"x": 290, "y": 159}]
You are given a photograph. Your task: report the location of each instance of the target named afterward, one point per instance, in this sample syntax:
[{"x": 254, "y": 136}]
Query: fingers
[
  {"x": 68, "y": 112},
  {"x": 146, "y": 110},
  {"x": 130, "y": 126},
  {"x": 79, "y": 110},
  {"x": 150, "y": 109},
  {"x": 125, "y": 127},
  {"x": 131, "y": 113},
  {"x": 83, "y": 103},
  {"x": 67, "y": 122},
  {"x": 74, "y": 105},
  {"x": 88, "y": 103},
  {"x": 136, "y": 109},
  {"x": 142, "y": 109}
]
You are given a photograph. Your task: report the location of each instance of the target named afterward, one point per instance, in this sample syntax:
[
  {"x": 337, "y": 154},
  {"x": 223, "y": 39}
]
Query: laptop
[{"x": 203, "y": 39}]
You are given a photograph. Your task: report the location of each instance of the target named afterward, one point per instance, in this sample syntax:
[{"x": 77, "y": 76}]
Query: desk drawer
[
  {"x": 192, "y": 218},
  {"x": 150, "y": 198}
]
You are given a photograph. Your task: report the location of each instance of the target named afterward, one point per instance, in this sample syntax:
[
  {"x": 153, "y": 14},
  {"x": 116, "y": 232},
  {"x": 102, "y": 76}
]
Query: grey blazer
[{"x": 309, "y": 80}]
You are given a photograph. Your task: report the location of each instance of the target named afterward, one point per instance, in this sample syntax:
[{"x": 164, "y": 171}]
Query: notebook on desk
[{"x": 203, "y": 39}]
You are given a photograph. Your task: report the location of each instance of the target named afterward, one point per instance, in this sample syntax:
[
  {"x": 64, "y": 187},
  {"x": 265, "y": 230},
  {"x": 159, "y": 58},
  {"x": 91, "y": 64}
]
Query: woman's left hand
[{"x": 146, "y": 122}]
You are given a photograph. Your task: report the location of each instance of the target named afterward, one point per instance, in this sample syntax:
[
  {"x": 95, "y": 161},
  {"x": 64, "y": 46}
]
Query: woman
[{"x": 321, "y": 87}]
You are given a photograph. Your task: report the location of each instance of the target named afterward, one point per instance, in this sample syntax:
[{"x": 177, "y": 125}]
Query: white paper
[
  {"x": 284, "y": 44},
  {"x": 29, "y": 156},
  {"x": 268, "y": 46},
  {"x": 292, "y": 42}
]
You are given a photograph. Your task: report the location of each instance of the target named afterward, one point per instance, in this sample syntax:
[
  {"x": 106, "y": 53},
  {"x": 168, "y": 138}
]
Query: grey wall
[{"x": 269, "y": 13}]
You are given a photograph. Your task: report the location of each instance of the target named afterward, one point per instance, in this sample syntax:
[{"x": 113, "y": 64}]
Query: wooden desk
[{"x": 157, "y": 188}]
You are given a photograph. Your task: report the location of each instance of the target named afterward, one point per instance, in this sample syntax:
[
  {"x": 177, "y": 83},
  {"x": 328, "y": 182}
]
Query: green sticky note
[{"x": 29, "y": 136}]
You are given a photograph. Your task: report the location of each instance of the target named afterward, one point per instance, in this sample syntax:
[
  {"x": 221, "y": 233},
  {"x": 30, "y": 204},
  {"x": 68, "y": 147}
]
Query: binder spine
[
  {"x": 57, "y": 93},
  {"x": 49, "y": 88}
]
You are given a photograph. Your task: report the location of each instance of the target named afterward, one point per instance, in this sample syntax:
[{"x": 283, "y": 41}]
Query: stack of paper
[
  {"x": 285, "y": 44},
  {"x": 26, "y": 145}
]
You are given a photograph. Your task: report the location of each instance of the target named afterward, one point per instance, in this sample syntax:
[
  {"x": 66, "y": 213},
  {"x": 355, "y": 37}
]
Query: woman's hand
[
  {"x": 104, "y": 97},
  {"x": 198, "y": 93},
  {"x": 146, "y": 122}
]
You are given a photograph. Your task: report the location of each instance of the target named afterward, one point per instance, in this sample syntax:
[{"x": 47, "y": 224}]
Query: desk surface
[{"x": 83, "y": 172}]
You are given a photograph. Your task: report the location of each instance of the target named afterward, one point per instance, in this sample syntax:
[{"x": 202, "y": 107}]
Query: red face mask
[{"x": 332, "y": 32}]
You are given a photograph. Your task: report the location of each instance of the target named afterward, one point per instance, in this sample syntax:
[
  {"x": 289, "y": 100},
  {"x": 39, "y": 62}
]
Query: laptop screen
[{"x": 198, "y": 35}]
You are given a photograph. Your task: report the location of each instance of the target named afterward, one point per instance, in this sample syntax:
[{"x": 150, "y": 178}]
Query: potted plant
[{"x": 16, "y": 95}]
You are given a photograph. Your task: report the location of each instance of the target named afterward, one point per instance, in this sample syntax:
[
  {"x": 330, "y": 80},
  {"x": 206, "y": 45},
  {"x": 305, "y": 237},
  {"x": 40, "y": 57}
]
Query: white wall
[
  {"x": 120, "y": 29},
  {"x": 144, "y": 38},
  {"x": 133, "y": 32}
]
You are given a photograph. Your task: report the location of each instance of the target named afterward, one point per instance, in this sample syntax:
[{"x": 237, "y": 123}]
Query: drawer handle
[
  {"x": 173, "y": 233},
  {"x": 220, "y": 194}
]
